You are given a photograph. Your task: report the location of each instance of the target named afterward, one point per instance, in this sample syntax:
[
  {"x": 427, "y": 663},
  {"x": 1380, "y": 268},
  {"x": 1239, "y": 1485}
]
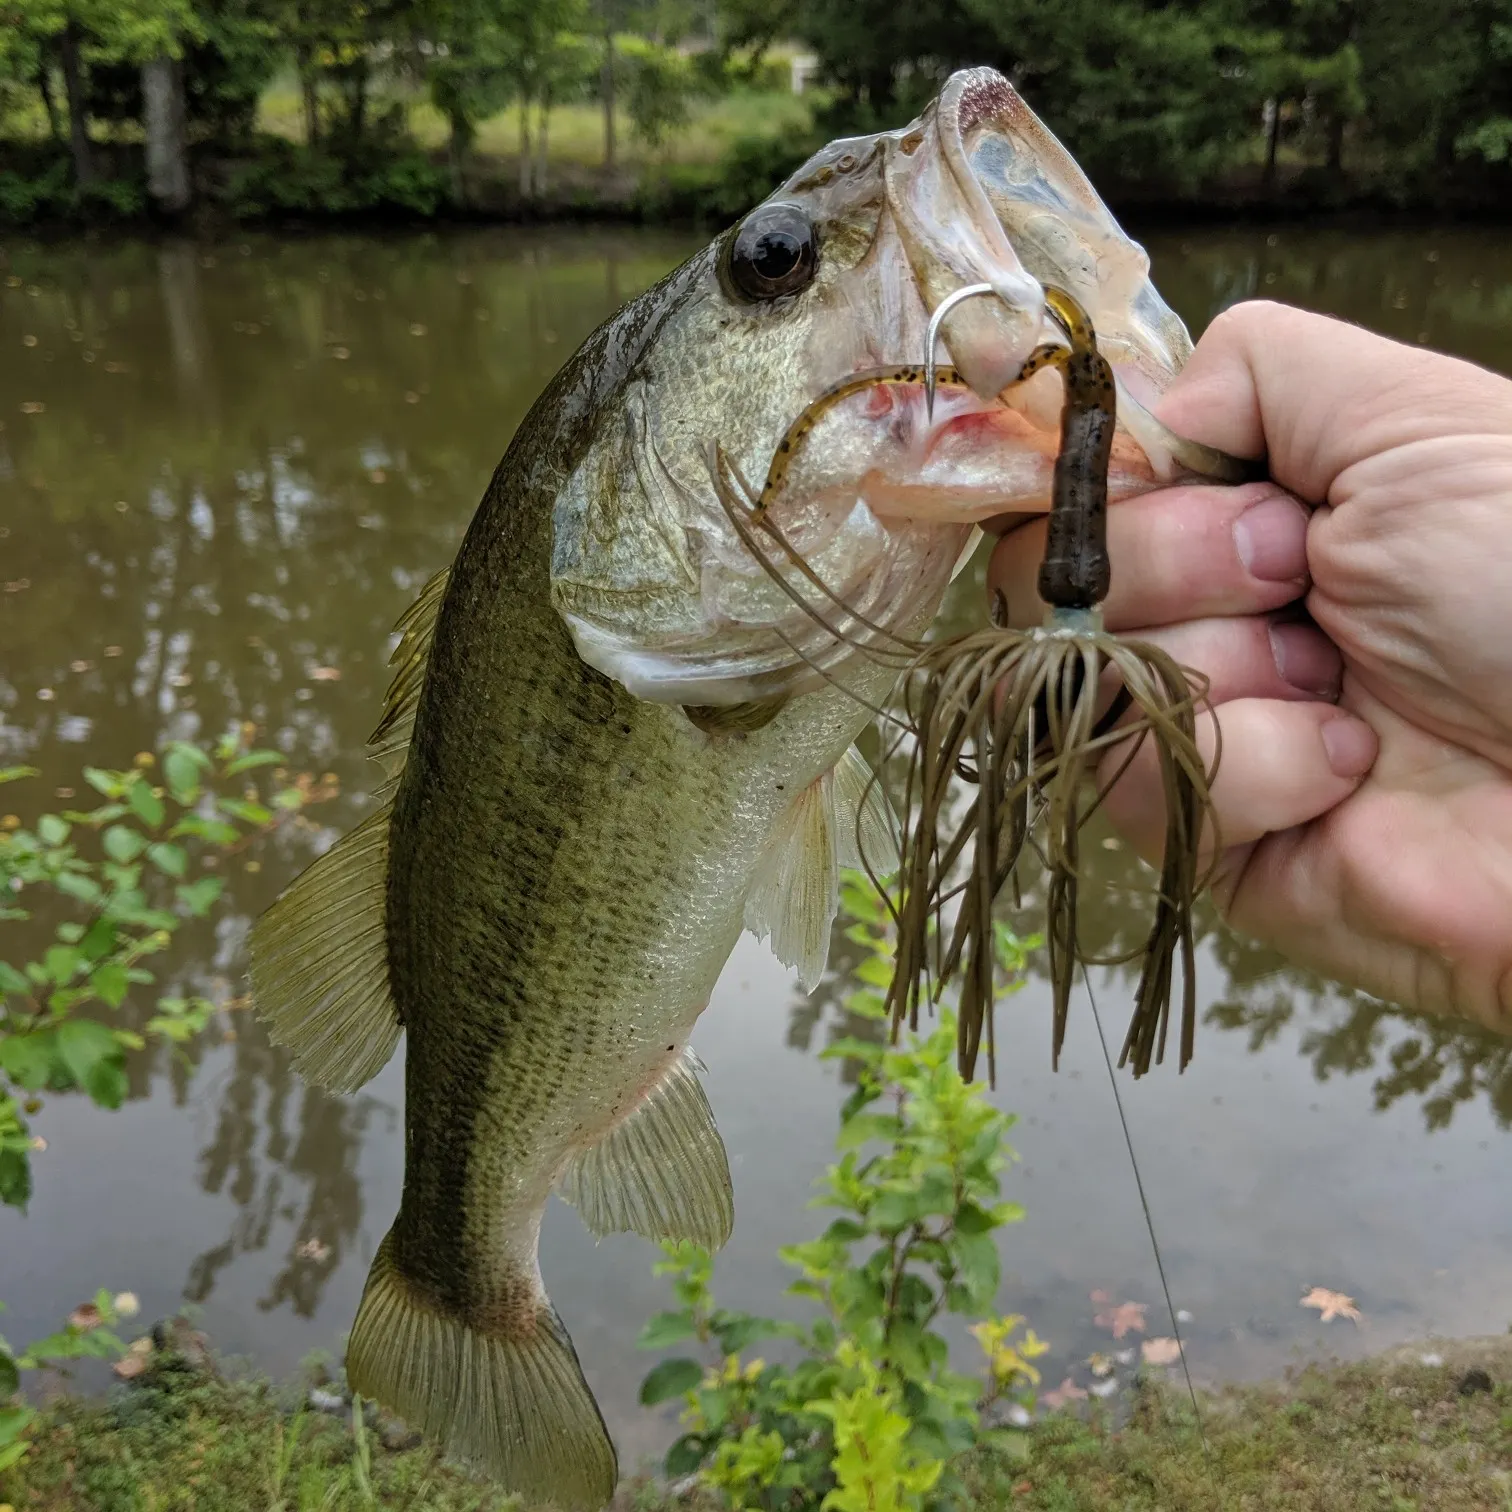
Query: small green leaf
[
  {"x": 684, "y": 1457},
  {"x": 252, "y": 759},
  {"x": 11, "y": 980},
  {"x": 52, "y": 830},
  {"x": 15, "y": 1176},
  {"x": 10, "y": 1383},
  {"x": 666, "y": 1328},
  {"x": 95, "y": 1060},
  {"x": 60, "y": 962},
  {"x": 15, "y": 773},
  {"x": 145, "y": 804},
  {"x": 197, "y": 897},
  {"x": 245, "y": 810},
  {"x": 181, "y": 771},
  {"x": 215, "y": 831},
  {"x": 77, "y": 885},
  {"x": 122, "y": 843},
  {"x": 168, "y": 858},
  {"x": 108, "y": 783},
  {"x": 111, "y": 983},
  {"x": 672, "y": 1378},
  {"x": 29, "y": 1059}
]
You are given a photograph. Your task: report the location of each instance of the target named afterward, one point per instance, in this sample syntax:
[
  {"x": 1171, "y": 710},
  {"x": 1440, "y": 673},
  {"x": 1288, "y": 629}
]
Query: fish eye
[{"x": 774, "y": 251}]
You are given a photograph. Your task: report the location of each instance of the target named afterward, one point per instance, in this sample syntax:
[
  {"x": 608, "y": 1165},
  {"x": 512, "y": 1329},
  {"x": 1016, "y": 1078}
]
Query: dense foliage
[
  {"x": 87, "y": 898},
  {"x": 1322, "y": 100},
  {"x": 872, "y": 1416}
]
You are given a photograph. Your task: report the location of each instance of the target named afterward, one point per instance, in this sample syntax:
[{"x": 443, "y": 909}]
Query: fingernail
[
  {"x": 1271, "y": 539},
  {"x": 1350, "y": 745},
  {"x": 1306, "y": 659}
]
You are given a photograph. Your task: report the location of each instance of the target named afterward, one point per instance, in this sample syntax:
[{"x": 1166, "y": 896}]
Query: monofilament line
[{"x": 1149, "y": 1219}]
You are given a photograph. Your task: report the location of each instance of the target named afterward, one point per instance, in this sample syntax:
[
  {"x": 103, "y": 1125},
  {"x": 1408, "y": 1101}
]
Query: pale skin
[{"x": 1364, "y": 796}]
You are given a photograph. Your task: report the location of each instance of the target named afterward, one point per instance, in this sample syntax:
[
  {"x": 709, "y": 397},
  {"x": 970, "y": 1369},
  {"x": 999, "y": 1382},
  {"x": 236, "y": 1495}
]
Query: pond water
[{"x": 224, "y": 472}]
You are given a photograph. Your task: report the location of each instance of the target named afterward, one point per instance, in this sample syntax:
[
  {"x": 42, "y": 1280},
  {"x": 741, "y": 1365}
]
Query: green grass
[{"x": 1383, "y": 1435}]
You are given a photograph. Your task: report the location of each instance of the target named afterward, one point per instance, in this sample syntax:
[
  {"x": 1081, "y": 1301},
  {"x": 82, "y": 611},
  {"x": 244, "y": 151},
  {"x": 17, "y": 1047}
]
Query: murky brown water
[{"x": 223, "y": 468}]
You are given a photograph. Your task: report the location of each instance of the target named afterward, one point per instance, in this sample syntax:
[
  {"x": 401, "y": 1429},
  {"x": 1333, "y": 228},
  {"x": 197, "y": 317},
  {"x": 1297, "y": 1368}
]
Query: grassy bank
[{"x": 1390, "y": 1434}]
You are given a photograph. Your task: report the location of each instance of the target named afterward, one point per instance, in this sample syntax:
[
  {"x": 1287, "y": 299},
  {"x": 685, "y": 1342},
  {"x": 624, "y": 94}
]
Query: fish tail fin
[{"x": 514, "y": 1405}]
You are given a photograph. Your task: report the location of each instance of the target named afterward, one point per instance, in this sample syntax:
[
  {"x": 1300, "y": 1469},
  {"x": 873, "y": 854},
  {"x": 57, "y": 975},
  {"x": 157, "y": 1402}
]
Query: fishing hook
[{"x": 945, "y": 306}]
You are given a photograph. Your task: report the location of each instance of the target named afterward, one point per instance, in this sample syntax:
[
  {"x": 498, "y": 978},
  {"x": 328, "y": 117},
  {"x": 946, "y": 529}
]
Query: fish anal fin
[
  {"x": 514, "y": 1406},
  {"x": 662, "y": 1172},
  {"x": 319, "y": 963},
  {"x": 794, "y": 893}
]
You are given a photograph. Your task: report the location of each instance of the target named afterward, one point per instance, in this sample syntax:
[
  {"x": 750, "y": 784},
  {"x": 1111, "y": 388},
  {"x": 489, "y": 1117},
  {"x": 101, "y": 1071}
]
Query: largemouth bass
[{"x": 616, "y": 737}]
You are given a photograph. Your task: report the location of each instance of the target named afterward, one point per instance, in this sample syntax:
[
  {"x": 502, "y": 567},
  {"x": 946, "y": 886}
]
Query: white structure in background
[{"x": 805, "y": 67}]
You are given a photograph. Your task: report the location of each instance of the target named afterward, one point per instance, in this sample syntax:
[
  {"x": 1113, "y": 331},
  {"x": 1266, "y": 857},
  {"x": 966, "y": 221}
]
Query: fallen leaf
[
  {"x": 1126, "y": 1317},
  {"x": 1063, "y": 1395},
  {"x": 126, "y": 1304},
  {"x": 112, "y": 650},
  {"x": 1100, "y": 1365},
  {"x": 1160, "y": 1351},
  {"x": 85, "y": 1316},
  {"x": 28, "y": 340},
  {"x": 115, "y": 367},
  {"x": 1105, "y": 1388},
  {"x": 129, "y": 1367},
  {"x": 312, "y": 1249},
  {"x": 1100, "y": 1297},
  {"x": 377, "y": 476},
  {"x": 411, "y": 397},
  {"x": 1331, "y": 1304},
  {"x": 325, "y": 674},
  {"x": 81, "y": 666},
  {"x": 33, "y": 407},
  {"x": 417, "y": 329},
  {"x": 38, "y": 1143},
  {"x": 340, "y": 353}
]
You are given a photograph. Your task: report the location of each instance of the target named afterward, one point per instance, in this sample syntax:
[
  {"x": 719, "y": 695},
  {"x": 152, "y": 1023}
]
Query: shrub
[{"x": 872, "y": 1417}]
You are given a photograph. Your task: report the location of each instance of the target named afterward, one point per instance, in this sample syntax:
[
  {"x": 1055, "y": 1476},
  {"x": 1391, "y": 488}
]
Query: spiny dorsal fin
[
  {"x": 417, "y": 629},
  {"x": 320, "y": 953},
  {"x": 662, "y": 1173},
  {"x": 794, "y": 895}
]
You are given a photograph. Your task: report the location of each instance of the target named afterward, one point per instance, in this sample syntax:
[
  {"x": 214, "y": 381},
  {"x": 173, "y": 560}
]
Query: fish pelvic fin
[
  {"x": 320, "y": 963},
  {"x": 514, "y": 1406},
  {"x": 662, "y": 1172},
  {"x": 794, "y": 894}
]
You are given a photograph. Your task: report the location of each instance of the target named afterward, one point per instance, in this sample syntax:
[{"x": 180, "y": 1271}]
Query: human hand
[{"x": 1364, "y": 795}]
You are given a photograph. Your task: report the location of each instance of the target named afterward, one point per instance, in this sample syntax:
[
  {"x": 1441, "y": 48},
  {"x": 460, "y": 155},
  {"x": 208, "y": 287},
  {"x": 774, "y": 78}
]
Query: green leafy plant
[
  {"x": 114, "y": 882},
  {"x": 872, "y": 1417}
]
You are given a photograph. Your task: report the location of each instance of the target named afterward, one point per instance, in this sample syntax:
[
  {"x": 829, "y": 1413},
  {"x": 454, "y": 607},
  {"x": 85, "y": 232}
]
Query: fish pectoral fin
[
  {"x": 662, "y": 1172},
  {"x": 320, "y": 963},
  {"x": 866, "y": 829},
  {"x": 794, "y": 894},
  {"x": 510, "y": 1401}
]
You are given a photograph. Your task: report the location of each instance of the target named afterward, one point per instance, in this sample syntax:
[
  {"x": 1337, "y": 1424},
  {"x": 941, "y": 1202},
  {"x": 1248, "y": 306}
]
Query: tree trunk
[
  {"x": 1336, "y": 144},
  {"x": 309, "y": 89},
  {"x": 1272, "y": 140},
  {"x": 606, "y": 90},
  {"x": 44, "y": 88},
  {"x": 543, "y": 125},
  {"x": 78, "y": 121},
  {"x": 525, "y": 178},
  {"x": 167, "y": 151},
  {"x": 360, "y": 100},
  {"x": 457, "y": 145}
]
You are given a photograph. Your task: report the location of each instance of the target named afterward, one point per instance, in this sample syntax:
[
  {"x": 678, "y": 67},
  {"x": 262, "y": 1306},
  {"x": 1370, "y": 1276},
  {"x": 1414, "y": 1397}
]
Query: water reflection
[{"x": 224, "y": 472}]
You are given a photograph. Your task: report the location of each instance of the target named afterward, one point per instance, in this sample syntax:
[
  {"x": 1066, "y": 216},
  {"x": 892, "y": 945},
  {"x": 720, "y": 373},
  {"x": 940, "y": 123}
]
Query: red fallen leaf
[
  {"x": 312, "y": 1249},
  {"x": 1331, "y": 1304},
  {"x": 1099, "y": 1297},
  {"x": 1160, "y": 1351},
  {"x": 1126, "y": 1317},
  {"x": 134, "y": 1361},
  {"x": 1063, "y": 1395},
  {"x": 84, "y": 1317}
]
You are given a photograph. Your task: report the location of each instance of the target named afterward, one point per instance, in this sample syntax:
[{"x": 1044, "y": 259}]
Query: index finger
[{"x": 1316, "y": 395}]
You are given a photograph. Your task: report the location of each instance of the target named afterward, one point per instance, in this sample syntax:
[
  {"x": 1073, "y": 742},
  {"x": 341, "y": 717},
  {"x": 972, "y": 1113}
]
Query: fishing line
[{"x": 1149, "y": 1218}]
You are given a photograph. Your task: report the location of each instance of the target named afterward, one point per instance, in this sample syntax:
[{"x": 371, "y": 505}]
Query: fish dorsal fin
[
  {"x": 389, "y": 743},
  {"x": 320, "y": 953},
  {"x": 794, "y": 895},
  {"x": 661, "y": 1173}
]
